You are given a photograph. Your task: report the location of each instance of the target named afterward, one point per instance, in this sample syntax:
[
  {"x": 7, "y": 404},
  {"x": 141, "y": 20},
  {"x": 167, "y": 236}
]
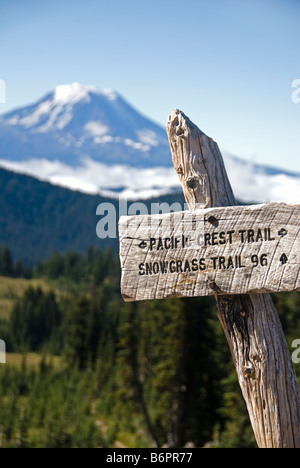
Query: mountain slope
[
  {"x": 75, "y": 121},
  {"x": 94, "y": 141},
  {"x": 37, "y": 218}
]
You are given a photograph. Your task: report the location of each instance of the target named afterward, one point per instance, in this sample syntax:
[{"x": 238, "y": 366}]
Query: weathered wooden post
[
  {"x": 234, "y": 253},
  {"x": 251, "y": 323}
]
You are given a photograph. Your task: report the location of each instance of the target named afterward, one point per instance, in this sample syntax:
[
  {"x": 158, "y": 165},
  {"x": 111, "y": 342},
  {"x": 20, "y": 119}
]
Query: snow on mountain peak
[
  {"x": 71, "y": 94},
  {"x": 76, "y": 92},
  {"x": 55, "y": 111},
  {"x": 74, "y": 120},
  {"x": 110, "y": 94},
  {"x": 93, "y": 140}
]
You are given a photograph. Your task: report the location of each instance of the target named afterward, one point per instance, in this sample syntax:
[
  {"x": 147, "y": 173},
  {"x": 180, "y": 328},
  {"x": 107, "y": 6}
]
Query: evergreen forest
[{"x": 86, "y": 369}]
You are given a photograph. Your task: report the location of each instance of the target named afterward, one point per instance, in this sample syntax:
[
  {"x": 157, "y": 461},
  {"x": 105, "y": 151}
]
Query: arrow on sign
[
  {"x": 179, "y": 255},
  {"x": 283, "y": 259},
  {"x": 143, "y": 245},
  {"x": 283, "y": 232}
]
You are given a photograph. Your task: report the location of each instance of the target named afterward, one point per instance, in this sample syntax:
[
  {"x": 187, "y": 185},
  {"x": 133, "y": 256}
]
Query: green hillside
[
  {"x": 84, "y": 369},
  {"x": 37, "y": 218}
]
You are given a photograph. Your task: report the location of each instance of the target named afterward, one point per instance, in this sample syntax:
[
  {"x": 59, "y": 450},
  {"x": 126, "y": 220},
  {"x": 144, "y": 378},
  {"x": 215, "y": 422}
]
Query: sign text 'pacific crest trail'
[{"x": 232, "y": 250}]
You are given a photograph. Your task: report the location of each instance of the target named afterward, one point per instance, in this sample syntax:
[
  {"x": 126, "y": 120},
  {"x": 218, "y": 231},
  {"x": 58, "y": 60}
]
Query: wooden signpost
[
  {"x": 237, "y": 254},
  {"x": 233, "y": 250}
]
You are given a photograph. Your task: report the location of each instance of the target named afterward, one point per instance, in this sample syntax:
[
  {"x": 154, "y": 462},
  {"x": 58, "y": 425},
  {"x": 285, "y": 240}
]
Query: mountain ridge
[
  {"x": 38, "y": 218},
  {"x": 75, "y": 121},
  {"x": 94, "y": 141}
]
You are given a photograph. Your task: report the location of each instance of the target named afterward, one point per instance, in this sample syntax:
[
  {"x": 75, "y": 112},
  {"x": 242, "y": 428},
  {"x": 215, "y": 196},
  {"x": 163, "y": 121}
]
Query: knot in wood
[
  {"x": 249, "y": 372},
  {"x": 212, "y": 285},
  {"x": 192, "y": 183},
  {"x": 212, "y": 220}
]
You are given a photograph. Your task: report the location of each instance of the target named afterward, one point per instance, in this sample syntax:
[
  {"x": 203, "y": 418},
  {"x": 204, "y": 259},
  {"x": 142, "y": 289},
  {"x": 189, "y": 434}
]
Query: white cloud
[
  {"x": 252, "y": 184},
  {"x": 92, "y": 177}
]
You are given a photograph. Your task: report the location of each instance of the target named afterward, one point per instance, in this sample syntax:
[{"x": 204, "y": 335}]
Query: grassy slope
[
  {"x": 12, "y": 289},
  {"x": 32, "y": 360}
]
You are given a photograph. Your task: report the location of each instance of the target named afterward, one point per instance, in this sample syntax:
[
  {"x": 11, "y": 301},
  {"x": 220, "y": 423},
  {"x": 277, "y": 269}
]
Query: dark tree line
[
  {"x": 161, "y": 370},
  {"x": 10, "y": 269}
]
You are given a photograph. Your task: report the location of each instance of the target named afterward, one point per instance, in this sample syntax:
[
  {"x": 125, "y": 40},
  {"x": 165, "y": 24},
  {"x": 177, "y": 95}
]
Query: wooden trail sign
[
  {"x": 250, "y": 321},
  {"x": 232, "y": 250}
]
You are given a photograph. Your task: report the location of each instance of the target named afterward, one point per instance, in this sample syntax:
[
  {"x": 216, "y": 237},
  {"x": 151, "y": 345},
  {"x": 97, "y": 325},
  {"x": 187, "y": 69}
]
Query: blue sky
[{"x": 228, "y": 64}]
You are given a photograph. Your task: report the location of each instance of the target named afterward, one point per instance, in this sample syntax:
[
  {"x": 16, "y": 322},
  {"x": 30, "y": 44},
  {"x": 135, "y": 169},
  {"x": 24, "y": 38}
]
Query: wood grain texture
[
  {"x": 251, "y": 324},
  {"x": 232, "y": 250},
  {"x": 199, "y": 164}
]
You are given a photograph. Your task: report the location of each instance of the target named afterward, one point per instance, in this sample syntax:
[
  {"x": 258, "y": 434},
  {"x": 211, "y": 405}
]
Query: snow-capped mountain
[
  {"x": 75, "y": 121},
  {"x": 94, "y": 141}
]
